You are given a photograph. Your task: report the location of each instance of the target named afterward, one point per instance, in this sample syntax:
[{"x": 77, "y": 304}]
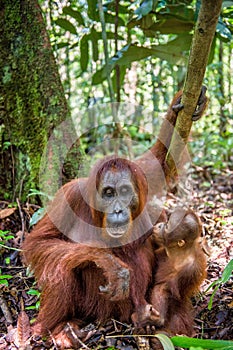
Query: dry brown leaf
[
  {"x": 23, "y": 329},
  {"x": 6, "y": 212}
]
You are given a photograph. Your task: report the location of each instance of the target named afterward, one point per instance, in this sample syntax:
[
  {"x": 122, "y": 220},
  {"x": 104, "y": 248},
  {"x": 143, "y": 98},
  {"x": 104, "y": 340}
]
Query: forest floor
[{"x": 212, "y": 200}]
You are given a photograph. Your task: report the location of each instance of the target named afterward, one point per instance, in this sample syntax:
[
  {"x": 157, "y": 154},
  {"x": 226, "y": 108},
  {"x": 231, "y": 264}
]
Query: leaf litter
[{"x": 212, "y": 201}]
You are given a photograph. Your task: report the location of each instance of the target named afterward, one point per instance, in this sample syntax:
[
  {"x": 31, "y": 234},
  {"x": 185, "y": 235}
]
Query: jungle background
[{"x": 65, "y": 61}]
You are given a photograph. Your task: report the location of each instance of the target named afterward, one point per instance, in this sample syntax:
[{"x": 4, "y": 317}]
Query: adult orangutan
[
  {"x": 108, "y": 274},
  {"x": 93, "y": 253}
]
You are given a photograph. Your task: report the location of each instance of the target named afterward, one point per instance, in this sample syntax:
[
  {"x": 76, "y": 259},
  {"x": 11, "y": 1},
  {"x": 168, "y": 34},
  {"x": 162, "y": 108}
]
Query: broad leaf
[
  {"x": 145, "y": 8},
  {"x": 67, "y": 25},
  {"x": 84, "y": 54},
  {"x": 223, "y": 32},
  {"x": 179, "y": 11},
  {"x": 61, "y": 45},
  {"x": 186, "y": 342},
  {"x": 37, "y": 216},
  {"x": 165, "y": 341},
  {"x": 169, "y": 26},
  {"x": 171, "y": 19},
  {"x": 171, "y": 52},
  {"x": 101, "y": 75},
  {"x": 109, "y": 18},
  {"x": 227, "y": 3},
  {"x": 94, "y": 42},
  {"x": 227, "y": 272},
  {"x": 92, "y": 10},
  {"x": 67, "y": 10}
]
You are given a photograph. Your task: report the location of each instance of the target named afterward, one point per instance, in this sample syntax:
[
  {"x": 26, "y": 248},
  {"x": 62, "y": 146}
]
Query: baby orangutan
[{"x": 181, "y": 269}]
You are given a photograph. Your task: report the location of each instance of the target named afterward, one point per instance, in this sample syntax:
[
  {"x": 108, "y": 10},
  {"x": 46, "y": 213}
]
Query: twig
[
  {"x": 76, "y": 337},
  {"x": 11, "y": 248},
  {"x": 22, "y": 219}
]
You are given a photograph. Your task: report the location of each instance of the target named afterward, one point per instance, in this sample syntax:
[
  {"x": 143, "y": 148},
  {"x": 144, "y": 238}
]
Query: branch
[{"x": 198, "y": 58}]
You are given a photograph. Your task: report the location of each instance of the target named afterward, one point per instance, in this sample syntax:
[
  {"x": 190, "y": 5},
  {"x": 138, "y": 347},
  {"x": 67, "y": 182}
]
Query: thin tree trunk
[
  {"x": 202, "y": 39},
  {"x": 222, "y": 99}
]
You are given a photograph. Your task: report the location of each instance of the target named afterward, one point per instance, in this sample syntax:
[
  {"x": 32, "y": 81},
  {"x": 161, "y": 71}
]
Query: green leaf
[
  {"x": 109, "y": 18},
  {"x": 169, "y": 26},
  {"x": 61, "y": 45},
  {"x": 67, "y": 10},
  {"x": 165, "y": 341},
  {"x": 210, "y": 303},
  {"x": 33, "y": 292},
  {"x": 4, "y": 282},
  {"x": 2, "y": 277},
  {"x": 94, "y": 42},
  {"x": 212, "y": 51},
  {"x": 171, "y": 19},
  {"x": 33, "y": 307},
  {"x": 178, "y": 11},
  {"x": 92, "y": 10},
  {"x": 35, "y": 192},
  {"x": 227, "y": 3},
  {"x": 7, "y": 260},
  {"x": 173, "y": 52},
  {"x": 84, "y": 54},
  {"x": 37, "y": 216},
  {"x": 3, "y": 233},
  {"x": 7, "y": 238},
  {"x": 98, "y": 35},
  {"x": 6, "y": 145},
  {"x": 186, "y": 342},
  {"x": 99, "y": 76},
  {"x": 67, "y": 25},
  {"x": 145, "y": 8},
  {"x": 130, "y": 53},
  {"x": 226, "y": 275},
  {"x": 223, "y": 32}
]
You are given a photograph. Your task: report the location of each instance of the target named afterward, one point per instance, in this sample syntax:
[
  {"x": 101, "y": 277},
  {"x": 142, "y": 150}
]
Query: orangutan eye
[
  {"x": 125, "y": 190},
  {"x": 108, "y": 192}
]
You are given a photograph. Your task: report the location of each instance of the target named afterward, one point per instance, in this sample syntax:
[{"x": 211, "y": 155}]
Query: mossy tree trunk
[{"x": 32, "y": 100}]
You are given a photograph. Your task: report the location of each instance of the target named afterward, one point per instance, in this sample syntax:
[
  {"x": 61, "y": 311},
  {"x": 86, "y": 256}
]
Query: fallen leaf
[{"x": 6, "y": 212}]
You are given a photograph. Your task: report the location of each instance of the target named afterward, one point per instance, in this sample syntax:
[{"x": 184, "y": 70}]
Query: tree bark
[
  {"x": 202, "y": 39},
  {"x": 32, "y": 96}
]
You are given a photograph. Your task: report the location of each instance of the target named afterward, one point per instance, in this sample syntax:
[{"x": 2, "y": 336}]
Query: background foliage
[
  {"x": 148, "y": 44},
  {"x": 115, "y": 51}
]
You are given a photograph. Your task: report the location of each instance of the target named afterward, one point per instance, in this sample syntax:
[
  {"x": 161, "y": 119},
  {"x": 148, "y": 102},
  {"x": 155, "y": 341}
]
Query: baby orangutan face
[{"x": 179, "y": 234}]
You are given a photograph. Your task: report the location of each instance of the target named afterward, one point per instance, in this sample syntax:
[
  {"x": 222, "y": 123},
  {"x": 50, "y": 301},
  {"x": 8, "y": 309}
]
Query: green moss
[{"x": 33, "y": 95}]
